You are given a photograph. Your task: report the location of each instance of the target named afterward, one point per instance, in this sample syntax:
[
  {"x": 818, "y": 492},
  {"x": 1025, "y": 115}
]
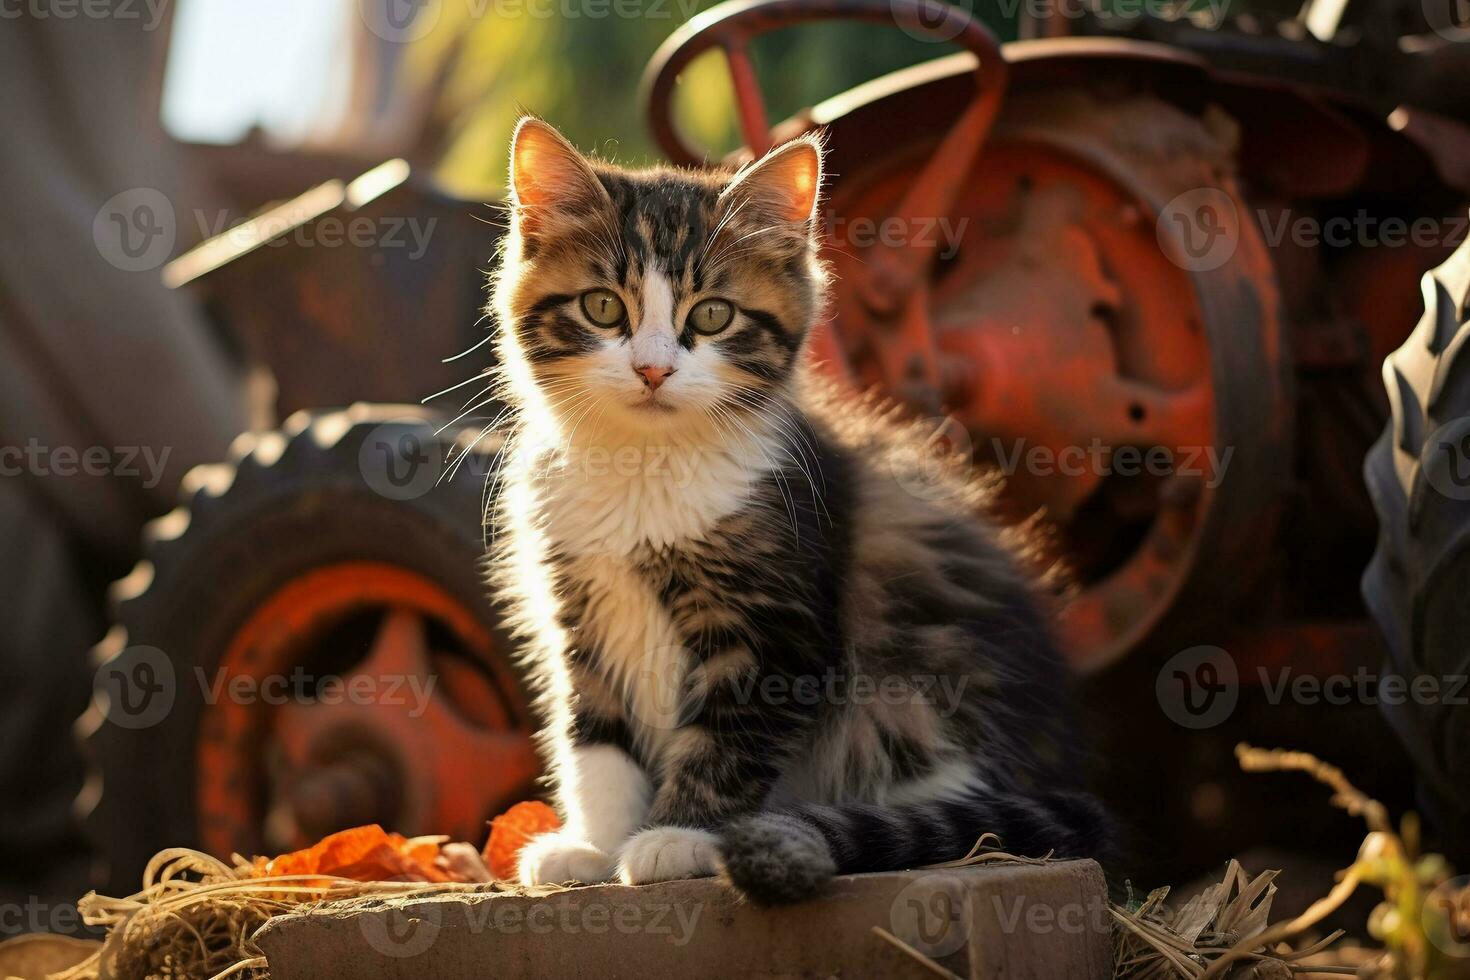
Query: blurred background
[{"x": 1186, "y": 227}]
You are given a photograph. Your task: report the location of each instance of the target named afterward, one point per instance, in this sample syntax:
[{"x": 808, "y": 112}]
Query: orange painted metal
[
  {"x": 1060, "y": 332},
  {"x": 1051, "y": 330},
  {"x": 437, "y": 735}
]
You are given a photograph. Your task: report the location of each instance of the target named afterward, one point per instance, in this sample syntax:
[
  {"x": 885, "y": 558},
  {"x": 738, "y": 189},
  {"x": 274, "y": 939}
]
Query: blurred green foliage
[{"x": 578, "y": 63}]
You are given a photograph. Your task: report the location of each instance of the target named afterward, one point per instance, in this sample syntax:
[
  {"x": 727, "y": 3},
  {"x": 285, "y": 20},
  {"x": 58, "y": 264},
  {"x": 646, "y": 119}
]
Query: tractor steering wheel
[{"x": 732, "y": 26}]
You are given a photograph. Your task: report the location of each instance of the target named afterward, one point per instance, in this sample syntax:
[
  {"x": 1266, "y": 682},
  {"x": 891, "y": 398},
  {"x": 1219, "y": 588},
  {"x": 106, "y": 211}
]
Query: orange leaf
[
  {"x": 510, "y": 831},
  {"x": 362, "y": 854}
]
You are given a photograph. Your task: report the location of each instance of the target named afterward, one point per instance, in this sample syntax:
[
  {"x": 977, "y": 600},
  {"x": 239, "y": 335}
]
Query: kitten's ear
[
  {"x": 785, "y": 184},
  {"x": 547, "y": 172}
]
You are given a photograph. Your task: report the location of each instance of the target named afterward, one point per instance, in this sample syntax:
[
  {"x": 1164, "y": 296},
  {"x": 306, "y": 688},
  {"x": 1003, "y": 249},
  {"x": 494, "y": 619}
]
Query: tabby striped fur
[{"x": 775, "y": 642}]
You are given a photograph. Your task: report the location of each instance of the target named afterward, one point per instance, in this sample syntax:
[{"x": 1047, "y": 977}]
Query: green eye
[
  {"x": 603, "y": 307},
  {"x": 710, "y": 316}
]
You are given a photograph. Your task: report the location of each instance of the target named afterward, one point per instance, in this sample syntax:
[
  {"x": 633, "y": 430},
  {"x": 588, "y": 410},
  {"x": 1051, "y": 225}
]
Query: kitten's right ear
[{"x": 548, "y": 174}]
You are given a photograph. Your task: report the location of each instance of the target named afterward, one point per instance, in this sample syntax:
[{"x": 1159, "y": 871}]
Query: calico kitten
[{"x": 766, "y": 644}]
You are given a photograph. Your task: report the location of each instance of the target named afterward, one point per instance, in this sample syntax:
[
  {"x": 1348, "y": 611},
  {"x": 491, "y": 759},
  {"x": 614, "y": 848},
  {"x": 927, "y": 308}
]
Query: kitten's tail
[{"x": 787, "y": 855}]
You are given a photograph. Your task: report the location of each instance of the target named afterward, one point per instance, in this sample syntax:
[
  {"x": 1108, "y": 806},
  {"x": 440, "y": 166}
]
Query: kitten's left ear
[
  {"x": 785, "y": 184},
  {"x": 547, "y": 172}
]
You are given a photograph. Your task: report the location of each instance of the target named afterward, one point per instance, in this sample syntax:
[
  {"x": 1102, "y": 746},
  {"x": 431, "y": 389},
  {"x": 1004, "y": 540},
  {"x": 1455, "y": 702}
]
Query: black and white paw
[{"x": 667, "y": 853}]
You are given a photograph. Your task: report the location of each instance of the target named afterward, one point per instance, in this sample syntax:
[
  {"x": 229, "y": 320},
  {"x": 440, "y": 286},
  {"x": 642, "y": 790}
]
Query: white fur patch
[
  {"x": 666, "y": 853},
  {"x": 604, "y": 795},
  {"x": 656, "y": 340},
  {"x": 617, "y": 490}
]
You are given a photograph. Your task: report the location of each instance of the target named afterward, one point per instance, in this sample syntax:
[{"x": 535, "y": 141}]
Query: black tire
[
  {"x": 1417, "y": 586},
  {"x": 316, "y": 493}
]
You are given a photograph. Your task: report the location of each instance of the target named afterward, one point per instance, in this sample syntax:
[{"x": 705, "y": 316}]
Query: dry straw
[{"x": 195, "y": 917}]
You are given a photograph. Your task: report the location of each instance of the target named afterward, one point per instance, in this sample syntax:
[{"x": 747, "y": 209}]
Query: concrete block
[{"x": 1012, "y": 921}]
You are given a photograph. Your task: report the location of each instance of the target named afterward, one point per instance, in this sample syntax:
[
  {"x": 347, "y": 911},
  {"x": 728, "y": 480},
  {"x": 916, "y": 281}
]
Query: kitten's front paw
[
  {"x": 666, "y": 853},
  {"x": 553, "y": 859}
]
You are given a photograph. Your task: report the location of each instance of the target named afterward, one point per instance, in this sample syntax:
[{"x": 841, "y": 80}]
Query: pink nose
[{"x": 653, "y": 376}]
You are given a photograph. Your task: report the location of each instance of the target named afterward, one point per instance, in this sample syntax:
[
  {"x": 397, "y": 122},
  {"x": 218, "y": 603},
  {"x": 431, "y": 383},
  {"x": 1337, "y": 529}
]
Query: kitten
[{"x": 767, "y": 643}]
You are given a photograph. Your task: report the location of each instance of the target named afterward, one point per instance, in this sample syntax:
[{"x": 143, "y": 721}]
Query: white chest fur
[
  {"x": 596, "y": 509},
  {"x": 613, "y": 500}
]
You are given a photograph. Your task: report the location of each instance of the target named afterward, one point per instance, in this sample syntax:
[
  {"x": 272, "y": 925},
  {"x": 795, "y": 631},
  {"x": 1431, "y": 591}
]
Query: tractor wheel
[
  {"x": 1102, "y": 298},
  {"x": 1417, "y": 586},
  {"x": 307, "y": 645}
]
